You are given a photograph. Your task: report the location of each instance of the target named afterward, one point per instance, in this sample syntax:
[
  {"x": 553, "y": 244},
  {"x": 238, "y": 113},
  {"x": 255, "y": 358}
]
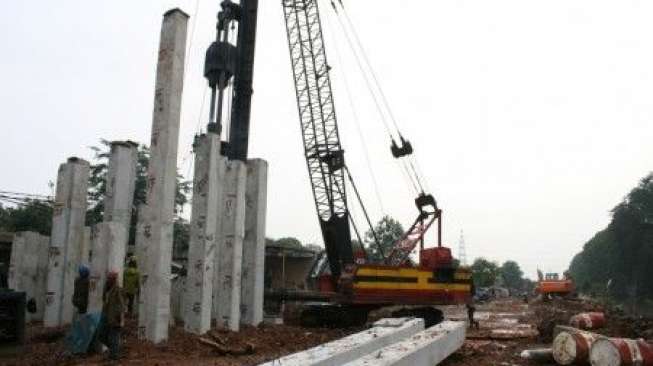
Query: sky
[{"x": 530, "y": 119}]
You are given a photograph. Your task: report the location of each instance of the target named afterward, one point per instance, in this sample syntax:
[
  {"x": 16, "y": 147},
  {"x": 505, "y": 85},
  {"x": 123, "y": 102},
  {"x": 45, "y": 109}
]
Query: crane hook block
[
  {"x": 400, "y": 151},
  {"x": 220, "y": 64},
  {"x": 424, "y": 200}
]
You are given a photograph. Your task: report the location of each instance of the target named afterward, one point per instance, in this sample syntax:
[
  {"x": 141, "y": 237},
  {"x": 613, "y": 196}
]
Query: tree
[
  {"x": 31, "y": 216},
  {"x": 484, "y": 272},
  {"x": 289, "y": 242},
  {"x": 621, "y": 253},
  {"x": 388, "y": 231},
  {"x": 512, "y": 275}
]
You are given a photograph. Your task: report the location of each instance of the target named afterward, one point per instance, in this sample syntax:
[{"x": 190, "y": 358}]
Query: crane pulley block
[
  {"x": 425, "y": 200},
  {"x": 220, "y": 63},
  {"x": 400, "y": 151}
]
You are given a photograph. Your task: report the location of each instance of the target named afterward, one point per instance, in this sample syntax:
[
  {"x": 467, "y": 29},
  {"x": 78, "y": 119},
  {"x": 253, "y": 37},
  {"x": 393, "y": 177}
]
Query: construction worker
[
  {"x": 471, "y": 309},
  {"x": 113, "y": 308},
  {"x": 131, "y": 282},
  {"x": 80, "y": 291}
]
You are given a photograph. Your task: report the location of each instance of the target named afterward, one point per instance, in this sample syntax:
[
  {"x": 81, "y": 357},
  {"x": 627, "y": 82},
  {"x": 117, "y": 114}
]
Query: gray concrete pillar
[
  {"x": 254, "y": 243},
  {"x": 230, "y": 248},
  {"x": 222, "y": 171},
  {"x": 155, "y": 231},
  {"x": 207, "y": 187},
  {"x": 108, "y": 240},
  {"x": 28, "y": 268},
  {"x": 67, "y": 235},
  {"x": 121, "y": 181},
  {"x": 85, "y": 248}
]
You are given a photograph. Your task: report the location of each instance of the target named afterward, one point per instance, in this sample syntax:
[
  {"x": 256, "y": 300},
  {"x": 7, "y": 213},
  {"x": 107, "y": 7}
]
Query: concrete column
[
  {"x": 207, "y": 187},
  {"x": 154, "y": 238},
  {"x": 254, "y": 243},
  {"x": 67, "y": 236},
  {"x": 16, "y": 257},
  {"x": 85, "y": 248},
  {"x": 121, "y": 181},
  {"x": 230, "y": 248},
  {"x": 28, "y": 267},
  {"x": 222, "y": 171},
  {"x": 109, "y": 240}
]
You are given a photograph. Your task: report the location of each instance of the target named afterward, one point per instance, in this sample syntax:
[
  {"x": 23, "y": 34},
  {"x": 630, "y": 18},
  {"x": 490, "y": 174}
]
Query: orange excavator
[{"x": 551, "y": 285}]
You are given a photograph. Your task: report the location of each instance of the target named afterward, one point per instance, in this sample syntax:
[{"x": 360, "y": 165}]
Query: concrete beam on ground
[
  {"x": 254, "y": 242},
  {"x": 207, "y": 188},
  {"x": 65, "y": 244},
  {"x": 344, "y": 350},
  {"x": 156, "y": 217},
  {"x": 426, "y": 348},
  {"x": 230, "y": 248},
  {"x": 108, "y": 240}
]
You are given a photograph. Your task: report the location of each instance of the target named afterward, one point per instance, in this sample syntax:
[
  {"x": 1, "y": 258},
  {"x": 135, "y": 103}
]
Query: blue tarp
[{"x": 83, "y": 332}]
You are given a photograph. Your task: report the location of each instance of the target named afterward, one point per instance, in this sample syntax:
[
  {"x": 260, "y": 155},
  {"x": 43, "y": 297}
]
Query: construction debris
[
  {"x": 587, "y": 321},
  {"x": 572, "y": 346},
  {"x": 539, "y": 355},
  {"x": 619, "y": 351}
]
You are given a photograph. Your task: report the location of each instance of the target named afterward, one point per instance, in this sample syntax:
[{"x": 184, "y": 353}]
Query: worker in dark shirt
[
  {"x": 80, "y": 291},
  {"x": 471, "y": 309},
  {"x": 113, "y": 312}
]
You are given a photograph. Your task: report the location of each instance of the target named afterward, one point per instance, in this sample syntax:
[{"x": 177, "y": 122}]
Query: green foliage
[
  {"x": 484, "y": 272},
  {"x": 32, "y": 216},
  {"x": 289, "y": 242},
  {"x": 512, "y": 275},
  {"x": 388, "y": 231},
  {"x": 621, "y": 253}
]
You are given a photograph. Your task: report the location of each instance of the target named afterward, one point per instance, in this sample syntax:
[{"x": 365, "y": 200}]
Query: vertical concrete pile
[
  {"x": 207, "y": 191},
  {"x": 254, "y": 242},
  {"x": 155, "y": 227},
  {"x": 240, "y": 245},
  {"x": 109, "y": 239},
  {"x": 28, "y": 266},
  {"x": 231, "y": 246},
  {"x": 66, "y": 240}
]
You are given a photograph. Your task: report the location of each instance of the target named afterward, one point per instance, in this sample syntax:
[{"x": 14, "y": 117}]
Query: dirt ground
[
  {"x": 267, "y": 342},
  {"x": 482, "y": 348},
  {"x": 495, "y": 343}
]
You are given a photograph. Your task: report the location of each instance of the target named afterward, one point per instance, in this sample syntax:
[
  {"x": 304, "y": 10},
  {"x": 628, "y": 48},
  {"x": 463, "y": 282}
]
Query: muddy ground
[{"x": 507, "y": 327}]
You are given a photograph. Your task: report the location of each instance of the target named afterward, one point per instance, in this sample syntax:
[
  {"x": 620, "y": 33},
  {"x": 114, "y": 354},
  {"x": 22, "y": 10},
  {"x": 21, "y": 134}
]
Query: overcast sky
[{"x": 530, "y": 119}]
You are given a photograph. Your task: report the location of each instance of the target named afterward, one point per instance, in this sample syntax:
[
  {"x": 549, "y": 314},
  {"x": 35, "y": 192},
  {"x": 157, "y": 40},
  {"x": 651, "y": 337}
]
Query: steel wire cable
[{"x": 355, "y": 116}]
